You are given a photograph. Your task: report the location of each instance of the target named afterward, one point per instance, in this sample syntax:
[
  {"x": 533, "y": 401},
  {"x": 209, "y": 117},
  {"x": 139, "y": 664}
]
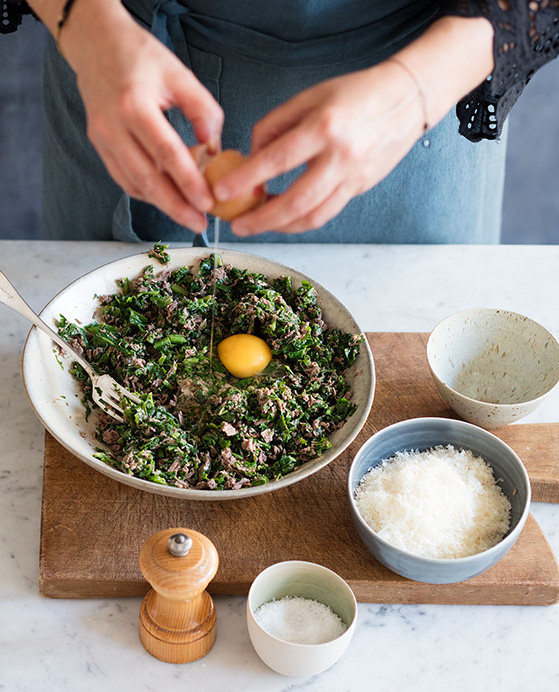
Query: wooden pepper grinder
[{"x": 177, "y": 616}]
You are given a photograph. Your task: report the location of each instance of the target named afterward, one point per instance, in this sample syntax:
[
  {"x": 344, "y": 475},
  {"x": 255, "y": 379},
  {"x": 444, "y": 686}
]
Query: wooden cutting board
[{"x": 93, "y": 527}]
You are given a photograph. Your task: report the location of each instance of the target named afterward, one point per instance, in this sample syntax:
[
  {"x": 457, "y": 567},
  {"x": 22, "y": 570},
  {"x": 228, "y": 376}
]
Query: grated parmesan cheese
[
  {"x": 439, "y": 503},
  {"x": 300, "y": 620}
]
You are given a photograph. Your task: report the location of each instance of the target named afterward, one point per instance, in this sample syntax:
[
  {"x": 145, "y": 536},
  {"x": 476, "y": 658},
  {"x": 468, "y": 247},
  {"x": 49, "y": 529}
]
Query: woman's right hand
[{"x": 127, "y": 79}]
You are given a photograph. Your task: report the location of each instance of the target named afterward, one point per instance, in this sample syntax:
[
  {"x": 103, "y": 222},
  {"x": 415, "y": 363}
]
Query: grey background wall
[{"x": 531, "y": 206}]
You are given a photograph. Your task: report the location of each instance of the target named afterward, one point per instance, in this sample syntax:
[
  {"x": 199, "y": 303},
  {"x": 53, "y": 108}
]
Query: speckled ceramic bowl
[
  {"x": 297, "y": 578},
  {"x": 492, "y": 367},
  {"x": 56, "y": 398},
  {"x": 422, "y": 434}
]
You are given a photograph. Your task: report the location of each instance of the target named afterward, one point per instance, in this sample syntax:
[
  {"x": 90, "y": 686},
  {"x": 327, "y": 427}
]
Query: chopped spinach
[
  {"x": 159, "y": 253},
  {"x": 197, "y": 426}
]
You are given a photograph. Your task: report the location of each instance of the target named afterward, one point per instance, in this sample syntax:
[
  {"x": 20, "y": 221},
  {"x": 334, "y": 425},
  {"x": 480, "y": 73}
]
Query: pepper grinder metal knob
[
  {"x": 179, "y": 544},
  {"x": 177, "y": 616}
]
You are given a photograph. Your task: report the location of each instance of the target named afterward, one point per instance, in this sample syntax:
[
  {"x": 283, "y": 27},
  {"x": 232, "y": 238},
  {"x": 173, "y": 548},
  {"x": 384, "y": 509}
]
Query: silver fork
[{"x": 107, "y": 392}]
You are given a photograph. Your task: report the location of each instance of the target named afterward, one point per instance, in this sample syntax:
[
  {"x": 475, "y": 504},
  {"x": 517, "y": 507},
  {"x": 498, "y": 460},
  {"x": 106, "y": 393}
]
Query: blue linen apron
[{"x": 253, "y": 56}]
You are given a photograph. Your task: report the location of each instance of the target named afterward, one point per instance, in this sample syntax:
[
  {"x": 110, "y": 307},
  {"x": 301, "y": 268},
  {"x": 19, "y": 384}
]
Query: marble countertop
[{"x": 67, "y": 645}]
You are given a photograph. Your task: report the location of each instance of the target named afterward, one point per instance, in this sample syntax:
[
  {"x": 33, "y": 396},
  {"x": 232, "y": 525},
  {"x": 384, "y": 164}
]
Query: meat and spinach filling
[{"x": 198, "y": 426}]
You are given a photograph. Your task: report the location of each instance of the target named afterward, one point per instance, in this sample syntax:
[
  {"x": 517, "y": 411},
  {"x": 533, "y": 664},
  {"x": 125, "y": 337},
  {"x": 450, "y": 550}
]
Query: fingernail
[
  {"x": 221, "y": 192},
  {"x": 213, "y": 146},
  {"x": 205, "y": 203}
]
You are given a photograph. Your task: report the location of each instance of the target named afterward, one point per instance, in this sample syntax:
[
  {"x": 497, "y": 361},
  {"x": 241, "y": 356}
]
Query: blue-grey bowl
[{"x": 422, "y": 434}]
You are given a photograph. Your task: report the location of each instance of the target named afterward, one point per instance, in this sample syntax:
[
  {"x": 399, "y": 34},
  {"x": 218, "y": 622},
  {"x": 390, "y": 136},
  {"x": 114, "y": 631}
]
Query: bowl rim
[
  {"x": 195, "y": 253},
  {"x": 462, "y": 561},
  {"x": 479, "y": 402}
]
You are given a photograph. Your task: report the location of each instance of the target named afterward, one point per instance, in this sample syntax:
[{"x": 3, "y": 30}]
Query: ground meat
[
  {"x": 76, "y": 345},
  {"x": 197, "y": 426},
  {"x": 110, "y": 437},
  {"x": 229, "y": 429},
  {"x": 249, "y": 445},
  {"x": 267, "y": 435}
]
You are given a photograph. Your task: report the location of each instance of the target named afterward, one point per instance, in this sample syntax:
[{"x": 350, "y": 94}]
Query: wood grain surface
[
  {"x": 93, "y": 527},
  {"x": 177, "y": 616}
]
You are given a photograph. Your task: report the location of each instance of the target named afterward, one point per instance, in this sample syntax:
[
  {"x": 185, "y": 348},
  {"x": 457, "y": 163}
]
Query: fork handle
[{"x": 10, "y": 297}]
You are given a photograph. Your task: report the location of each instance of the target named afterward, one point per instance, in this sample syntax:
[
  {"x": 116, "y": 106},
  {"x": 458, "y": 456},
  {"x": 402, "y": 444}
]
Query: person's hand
[
  {"x": 127, "y": 79},
  {"x": 349, "y": 131}
]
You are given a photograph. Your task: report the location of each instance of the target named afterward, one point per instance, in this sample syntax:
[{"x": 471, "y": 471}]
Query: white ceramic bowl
[
  {"x": 305, "y": 580},
  {"x": 55, "y": 395},
  {"x": 422, "y": 434},
  {"x": 492, "y": 367}
]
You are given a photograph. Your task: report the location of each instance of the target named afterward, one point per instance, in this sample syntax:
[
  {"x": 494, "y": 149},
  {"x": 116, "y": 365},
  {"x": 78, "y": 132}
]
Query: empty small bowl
[
  {"x": 420, "y": 434},
  {"x": 308, "y": 580},
  {"x": 492, "y": 367}
]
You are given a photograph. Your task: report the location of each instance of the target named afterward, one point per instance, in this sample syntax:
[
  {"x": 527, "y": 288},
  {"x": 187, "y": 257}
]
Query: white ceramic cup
[{"x": 305, "y": 580}]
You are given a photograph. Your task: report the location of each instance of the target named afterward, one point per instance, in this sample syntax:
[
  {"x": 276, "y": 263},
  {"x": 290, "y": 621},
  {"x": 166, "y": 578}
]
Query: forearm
[
  {"x": 87, "y": 20},
  {"x": 128, "y": 80},
  {"x": 82, "y": 10},
  {"x": 449, "y": 60}
]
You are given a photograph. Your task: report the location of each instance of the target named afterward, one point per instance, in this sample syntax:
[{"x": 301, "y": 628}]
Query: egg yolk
[{"x": 244, "y": 355}]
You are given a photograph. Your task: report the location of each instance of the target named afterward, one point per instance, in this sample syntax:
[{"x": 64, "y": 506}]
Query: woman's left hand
[{"x": 350, "y": 132}]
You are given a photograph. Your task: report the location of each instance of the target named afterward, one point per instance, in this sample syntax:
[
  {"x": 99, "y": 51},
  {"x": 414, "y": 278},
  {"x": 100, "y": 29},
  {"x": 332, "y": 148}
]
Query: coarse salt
[
  {"x": 439, "y": 503},
  {"x": 300, "y": 620}
]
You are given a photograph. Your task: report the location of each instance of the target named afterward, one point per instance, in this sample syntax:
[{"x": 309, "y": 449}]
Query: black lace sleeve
[
  {"x": 11, "y": 14},
  {"x": 526, "y": 37}
]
